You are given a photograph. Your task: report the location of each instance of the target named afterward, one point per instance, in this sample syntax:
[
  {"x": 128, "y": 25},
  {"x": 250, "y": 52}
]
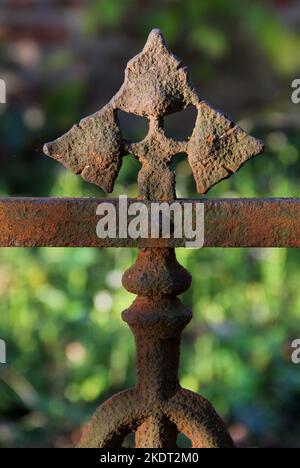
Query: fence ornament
[{"x": 156, "y": 84}]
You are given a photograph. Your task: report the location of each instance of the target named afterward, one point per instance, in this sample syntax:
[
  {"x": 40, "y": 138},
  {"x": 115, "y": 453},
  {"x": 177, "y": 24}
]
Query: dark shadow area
[
  {"x": 180, "y": 125},
  {"x": 133, "y": 127}
]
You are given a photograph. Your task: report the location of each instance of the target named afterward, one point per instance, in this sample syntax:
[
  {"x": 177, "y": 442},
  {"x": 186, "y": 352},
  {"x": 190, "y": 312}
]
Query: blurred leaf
[
  {"x": 279, "y": 43},
  {"x": 210, "y": 41}
]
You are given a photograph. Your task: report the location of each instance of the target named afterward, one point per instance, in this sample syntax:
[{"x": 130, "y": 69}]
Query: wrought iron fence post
[
  {"x": 157, "y": 318},
  {"x": 156, "y": 84}
]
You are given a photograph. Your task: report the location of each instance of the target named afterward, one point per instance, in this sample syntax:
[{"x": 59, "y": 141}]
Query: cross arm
[{"x": 71, "y": 222}]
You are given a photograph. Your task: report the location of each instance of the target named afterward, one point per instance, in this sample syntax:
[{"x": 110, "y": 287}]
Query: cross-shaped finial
[{"x": 156, "y": 84}]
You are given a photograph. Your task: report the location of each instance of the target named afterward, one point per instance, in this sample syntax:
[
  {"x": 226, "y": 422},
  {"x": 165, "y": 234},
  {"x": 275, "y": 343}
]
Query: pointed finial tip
[
  {"x": 156, "y": 31},
  {"x": 155, "y": 36}
]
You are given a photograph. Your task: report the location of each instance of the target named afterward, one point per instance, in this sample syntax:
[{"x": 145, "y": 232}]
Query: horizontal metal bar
[{"x": 71, "y": 222}]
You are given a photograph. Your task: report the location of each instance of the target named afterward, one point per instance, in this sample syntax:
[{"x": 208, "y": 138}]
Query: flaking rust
[
  {"x": 70, "y": 222},
  {"x": 156, "y": 84}
]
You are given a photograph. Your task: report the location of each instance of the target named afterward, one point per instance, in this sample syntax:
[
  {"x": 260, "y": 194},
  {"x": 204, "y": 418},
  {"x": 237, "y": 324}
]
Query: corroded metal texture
[
  {"x": 157, "y": 409},
  {"x": 63, "y": 222},
  {"x": 156, "y": 84}
]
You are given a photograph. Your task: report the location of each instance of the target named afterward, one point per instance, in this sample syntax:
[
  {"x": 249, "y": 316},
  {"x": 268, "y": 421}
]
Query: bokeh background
[{"x": 67, "y": 347}]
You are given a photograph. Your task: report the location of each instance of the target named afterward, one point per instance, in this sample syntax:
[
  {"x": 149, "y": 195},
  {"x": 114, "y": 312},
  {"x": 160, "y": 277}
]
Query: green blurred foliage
[
  {"x": 207, "y": 24},
  {"x": 105, "y": 13},
  {"x": 68, "y": 348}
]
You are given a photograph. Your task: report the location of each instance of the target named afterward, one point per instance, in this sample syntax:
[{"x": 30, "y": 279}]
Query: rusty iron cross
[{"x": 156, "y": 84}]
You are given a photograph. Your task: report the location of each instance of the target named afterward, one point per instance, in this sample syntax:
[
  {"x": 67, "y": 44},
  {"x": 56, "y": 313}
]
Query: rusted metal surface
[
  {"x": 156, "y": 84},
  {"x": 157, "y": 408},
  {"x": 63, "y": 222}
]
